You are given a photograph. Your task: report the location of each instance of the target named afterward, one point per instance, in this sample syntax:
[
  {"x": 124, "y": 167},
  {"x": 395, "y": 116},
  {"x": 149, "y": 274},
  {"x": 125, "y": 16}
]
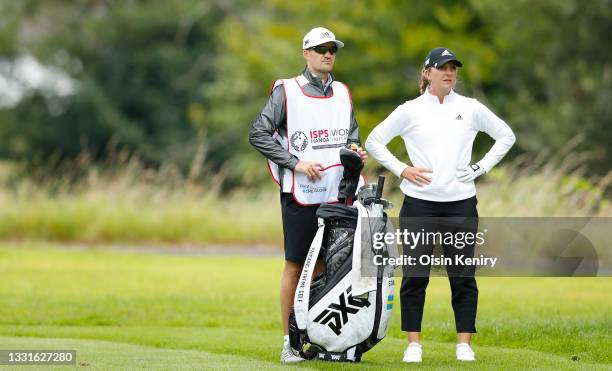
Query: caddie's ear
[{"x": 305, "y": 53}]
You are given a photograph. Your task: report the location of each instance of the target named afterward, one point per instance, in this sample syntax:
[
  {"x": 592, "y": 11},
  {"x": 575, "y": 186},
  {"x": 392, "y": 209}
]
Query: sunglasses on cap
[{"x": 322, "y": 49}]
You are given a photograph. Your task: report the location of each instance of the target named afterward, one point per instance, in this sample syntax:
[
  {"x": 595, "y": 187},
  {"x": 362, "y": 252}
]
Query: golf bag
[{"x": 342, "y": 314}]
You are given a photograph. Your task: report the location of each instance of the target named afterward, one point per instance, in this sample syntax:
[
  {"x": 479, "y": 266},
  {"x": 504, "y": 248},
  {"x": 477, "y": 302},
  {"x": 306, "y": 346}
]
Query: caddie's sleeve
[
  {"x": 353, "y": 136},
  {"x": 271, "y": 118}
]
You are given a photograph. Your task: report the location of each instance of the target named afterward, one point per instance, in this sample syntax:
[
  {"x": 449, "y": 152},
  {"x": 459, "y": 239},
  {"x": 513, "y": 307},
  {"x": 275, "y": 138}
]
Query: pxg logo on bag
[
  {"x": 336, "y": 315},
  {"x": 299, "y": 141}
]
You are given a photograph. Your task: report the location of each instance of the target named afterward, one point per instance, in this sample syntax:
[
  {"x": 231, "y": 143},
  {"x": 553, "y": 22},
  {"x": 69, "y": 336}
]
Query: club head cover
[
  {"x": 351, "y": 160},
  {"x": 353, "y": 164}
]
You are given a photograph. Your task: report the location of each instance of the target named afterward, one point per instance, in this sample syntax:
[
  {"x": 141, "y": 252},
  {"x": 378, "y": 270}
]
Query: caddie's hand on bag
[
  {"x": 360, "y": 151},
  {"x": 468, "y": 174}
]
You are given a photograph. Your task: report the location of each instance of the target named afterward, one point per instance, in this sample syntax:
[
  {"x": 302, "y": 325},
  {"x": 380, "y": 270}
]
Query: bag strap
[{"x": 302, "y": 292}]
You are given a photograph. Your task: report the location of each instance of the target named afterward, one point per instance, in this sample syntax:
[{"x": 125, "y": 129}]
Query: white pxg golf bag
[{"x": 342, "y": 314}]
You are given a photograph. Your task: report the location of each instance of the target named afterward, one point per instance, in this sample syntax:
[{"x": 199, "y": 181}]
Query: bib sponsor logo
[
  {"x": 319, "y": 136},
  {"x": 308, "y": 188},
  {"x": 339, "y": 133},
  {"x": 328, "y": 135},
  {"x": 299, "y": 141}
]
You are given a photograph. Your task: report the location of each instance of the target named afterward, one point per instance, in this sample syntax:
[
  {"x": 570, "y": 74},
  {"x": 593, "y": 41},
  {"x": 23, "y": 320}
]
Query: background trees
[{"x": 180, "y": 81}]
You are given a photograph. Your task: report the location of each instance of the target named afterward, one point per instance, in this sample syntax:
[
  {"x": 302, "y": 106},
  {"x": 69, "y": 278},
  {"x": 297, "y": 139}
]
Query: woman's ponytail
[{"x": 424, "y": 82}]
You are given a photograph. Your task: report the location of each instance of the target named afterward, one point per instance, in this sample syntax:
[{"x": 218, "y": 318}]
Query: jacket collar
[
  {"x": 434, "y": 99},
  {"x": 316, "y": 81}
]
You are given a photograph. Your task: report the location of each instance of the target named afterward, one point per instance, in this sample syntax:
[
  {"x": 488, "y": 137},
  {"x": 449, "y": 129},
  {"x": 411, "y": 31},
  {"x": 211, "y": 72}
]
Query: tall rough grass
[
  {"x": 135, "y": 205},
  {"x": 132, "y": 204}
]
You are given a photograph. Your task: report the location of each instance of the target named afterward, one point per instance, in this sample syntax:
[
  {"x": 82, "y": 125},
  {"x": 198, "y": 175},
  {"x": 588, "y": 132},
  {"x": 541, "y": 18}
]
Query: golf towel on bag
[
  {"x": 338, "y": 324},
  {"x": 363, "y": 257}
]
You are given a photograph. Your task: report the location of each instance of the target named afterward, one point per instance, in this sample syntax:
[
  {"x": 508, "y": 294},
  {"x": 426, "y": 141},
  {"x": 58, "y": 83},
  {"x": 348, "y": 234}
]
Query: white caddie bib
[{"x": 317, "y": 127}]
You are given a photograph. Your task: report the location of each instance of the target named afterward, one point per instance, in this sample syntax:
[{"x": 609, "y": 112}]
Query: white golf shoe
[
  {"x": 465, "y": 353},
  {"x": 289, "y": 355},
  {"x": 413, "y": 353}
]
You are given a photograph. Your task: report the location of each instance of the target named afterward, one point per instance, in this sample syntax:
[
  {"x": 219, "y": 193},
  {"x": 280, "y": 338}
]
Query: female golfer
[{"x": 438, "y": 129}]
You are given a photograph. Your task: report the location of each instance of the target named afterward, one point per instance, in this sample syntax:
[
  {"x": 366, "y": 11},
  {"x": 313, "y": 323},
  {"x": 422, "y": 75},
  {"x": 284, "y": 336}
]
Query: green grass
[
  {"x": 138, "y": 205},
  {"x": 222, "y": 312},
  {"x": 105, "y": 355},
  {"x": 142, "y": 215}
]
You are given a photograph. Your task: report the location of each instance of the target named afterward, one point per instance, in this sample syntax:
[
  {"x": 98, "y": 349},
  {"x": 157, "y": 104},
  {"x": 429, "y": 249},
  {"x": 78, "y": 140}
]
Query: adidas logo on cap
[
  {"x": 439, "y": 56},
  {"x": 318, "y": 36}
]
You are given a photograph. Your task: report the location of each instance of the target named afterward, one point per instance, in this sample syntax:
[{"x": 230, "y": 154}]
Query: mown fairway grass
[{"x": 124, "y": 310}]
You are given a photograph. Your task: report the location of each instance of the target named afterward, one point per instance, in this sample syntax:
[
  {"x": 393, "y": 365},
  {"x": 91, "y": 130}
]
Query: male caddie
[{"x": 305, "y": 122}]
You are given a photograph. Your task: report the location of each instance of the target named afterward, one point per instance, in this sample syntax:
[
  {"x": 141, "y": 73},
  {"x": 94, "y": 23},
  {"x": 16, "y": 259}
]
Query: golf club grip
[{"x": 380, "y": 186}]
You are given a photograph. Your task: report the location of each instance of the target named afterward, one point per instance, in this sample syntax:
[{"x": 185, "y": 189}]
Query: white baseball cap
[{"x": 318, "y": 36}]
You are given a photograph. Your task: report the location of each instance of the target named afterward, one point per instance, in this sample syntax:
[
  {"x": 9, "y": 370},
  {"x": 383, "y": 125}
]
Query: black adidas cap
[{"x": 439, "y": 56}]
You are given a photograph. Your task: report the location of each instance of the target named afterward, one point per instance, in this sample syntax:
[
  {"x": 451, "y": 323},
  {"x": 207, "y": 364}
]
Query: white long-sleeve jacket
[{"x": 440, "y": 137}]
